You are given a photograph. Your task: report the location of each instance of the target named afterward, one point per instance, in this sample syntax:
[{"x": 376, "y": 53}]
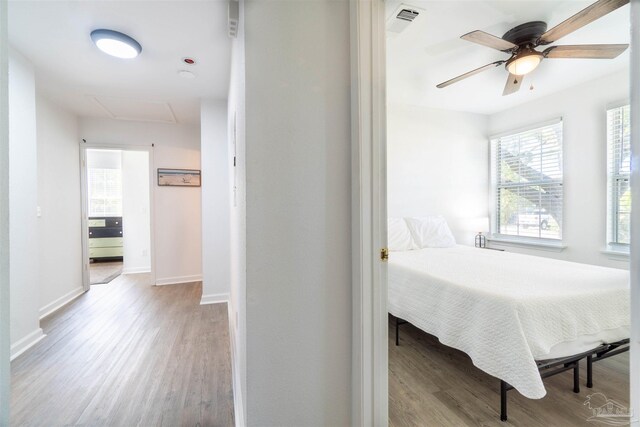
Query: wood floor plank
[
  {"x": 127, "y": 353},
  {"x": 434, "y": 385}
]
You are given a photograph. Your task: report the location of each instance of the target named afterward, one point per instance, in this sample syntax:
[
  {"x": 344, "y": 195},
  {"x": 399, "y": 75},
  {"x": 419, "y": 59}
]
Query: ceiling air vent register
[{"x": 402, "y": 17}]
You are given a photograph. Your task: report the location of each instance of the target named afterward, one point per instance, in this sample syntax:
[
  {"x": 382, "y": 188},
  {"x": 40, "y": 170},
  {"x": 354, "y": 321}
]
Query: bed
[{"x": 510, "y": 311}]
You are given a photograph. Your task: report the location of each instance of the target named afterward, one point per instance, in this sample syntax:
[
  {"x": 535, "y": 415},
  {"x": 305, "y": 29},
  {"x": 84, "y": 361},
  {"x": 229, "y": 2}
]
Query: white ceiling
[
  {"x": 54, "y": 36},
  {"x": 430, "y": 51}
]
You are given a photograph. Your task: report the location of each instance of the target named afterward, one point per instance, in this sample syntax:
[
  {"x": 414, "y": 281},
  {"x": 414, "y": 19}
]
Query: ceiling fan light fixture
[
  {"x": 524, "y": 63},
  {"x": 116, "y": 44}
]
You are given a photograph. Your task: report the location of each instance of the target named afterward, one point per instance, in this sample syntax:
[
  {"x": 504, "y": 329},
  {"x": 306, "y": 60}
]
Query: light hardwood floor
[
  {"x": 104, "y": 272},
  {"x": 434, "y": 385},
  {"x": 128, "y": 354}
]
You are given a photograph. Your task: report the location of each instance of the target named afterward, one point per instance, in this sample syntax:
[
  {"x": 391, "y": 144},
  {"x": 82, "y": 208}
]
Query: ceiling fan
[{"x": 521, "y": 42}]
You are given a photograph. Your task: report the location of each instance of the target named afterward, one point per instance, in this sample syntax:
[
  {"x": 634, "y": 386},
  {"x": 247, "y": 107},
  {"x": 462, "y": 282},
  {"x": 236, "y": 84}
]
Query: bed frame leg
[
  {"x": 590, "y": 371},
  {"x": 576, "y": 377},
  {"x": 397, "y": 331},
  {"x": 503, "y": 401}
]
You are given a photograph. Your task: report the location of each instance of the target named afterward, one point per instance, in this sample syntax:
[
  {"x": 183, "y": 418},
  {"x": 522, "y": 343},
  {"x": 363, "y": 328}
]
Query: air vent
[
  {"x": 234, "y": 18},
  {"x": 402, "y": 17},
  {"x": 408, "y": 14}
]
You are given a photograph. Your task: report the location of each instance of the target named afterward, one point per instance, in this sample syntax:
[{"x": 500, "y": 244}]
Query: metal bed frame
[{"x": 551, "y": 367}]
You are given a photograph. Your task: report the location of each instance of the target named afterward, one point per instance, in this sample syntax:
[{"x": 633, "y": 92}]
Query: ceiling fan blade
[
  {"x": 488, "y": 40},
  {"x": 512, "y": 85},
  {"x": 595, "y": 11},
  {"x": 592, "y": 51},
  {"x": 469, "y": 74}
]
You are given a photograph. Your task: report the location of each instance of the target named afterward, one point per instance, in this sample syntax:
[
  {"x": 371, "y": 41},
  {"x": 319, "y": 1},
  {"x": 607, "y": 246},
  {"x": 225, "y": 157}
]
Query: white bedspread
[{"x": 505, "y": 309}]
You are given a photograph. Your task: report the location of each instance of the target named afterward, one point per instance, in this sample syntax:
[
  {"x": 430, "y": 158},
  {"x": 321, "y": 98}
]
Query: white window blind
[
  {"x": 528, "y": 183},
  {"x": 105, "y": 192},
  {"x": 619, "y": 171}
]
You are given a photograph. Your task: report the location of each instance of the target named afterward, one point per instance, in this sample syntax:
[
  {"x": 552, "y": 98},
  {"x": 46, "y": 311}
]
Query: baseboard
[
  {"x": 26, "y": 343},
  {"x": 238, "y": 404},
  {"x": 214, "y": 299},
  {"x": 178, "y": 280},
  {"x": 136, "y": 270},
  {"x": 63, "y": 300}
]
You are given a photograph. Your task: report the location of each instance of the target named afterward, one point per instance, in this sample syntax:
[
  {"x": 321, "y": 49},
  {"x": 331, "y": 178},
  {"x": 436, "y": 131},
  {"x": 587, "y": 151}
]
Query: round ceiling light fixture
[
  {"x": 524, "y": 62},
  {"x": 189, "y": 61},
  {"x": 116, "y": 44}
]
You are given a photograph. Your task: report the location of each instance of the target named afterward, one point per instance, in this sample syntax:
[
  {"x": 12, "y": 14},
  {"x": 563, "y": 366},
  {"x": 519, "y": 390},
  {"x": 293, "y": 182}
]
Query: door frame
[
  {"x": 368, "y": 120},
  {"x": 634, "y": 257},
  {"x": 370, "y": 394},
  {"x": 84, "y": 146}
]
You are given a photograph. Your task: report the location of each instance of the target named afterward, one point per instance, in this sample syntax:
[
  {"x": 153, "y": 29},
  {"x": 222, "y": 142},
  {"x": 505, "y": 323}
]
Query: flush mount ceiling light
[{"x": 116, "y": 44}]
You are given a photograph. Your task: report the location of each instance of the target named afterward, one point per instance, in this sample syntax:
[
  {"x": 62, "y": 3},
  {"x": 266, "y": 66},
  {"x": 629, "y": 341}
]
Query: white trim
[
  {"x": 178, "y": 280},
  {"x": 214, "y": 299},
  {"x": 370, "y": 396},
  {"x": 526, "y": 128},
  {"x": 238, "y": 403},
  {"x": 26, "y": 343},
  {"x": 84, "y": 220},
  {"x": 537, "y": 243},
  {"x": 614, "y": 253},
  {"x": 617, "y": 104},
  {"x": 60, "y": 302},
  {"x": 634, "y": 359},
  {"x": 136, "y": 270}
]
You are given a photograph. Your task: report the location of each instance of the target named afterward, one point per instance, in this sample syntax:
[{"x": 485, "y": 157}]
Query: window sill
[
  {"x": 536, "y": 244},
  {"x": 615, "y": 253}
]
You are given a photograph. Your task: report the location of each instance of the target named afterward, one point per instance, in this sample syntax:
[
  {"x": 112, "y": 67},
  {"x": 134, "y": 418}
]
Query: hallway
[{"x": 128, "y": 354}]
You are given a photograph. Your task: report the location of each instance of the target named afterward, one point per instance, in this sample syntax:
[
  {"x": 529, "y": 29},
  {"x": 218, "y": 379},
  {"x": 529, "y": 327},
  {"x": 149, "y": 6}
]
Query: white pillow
[
  {"x": 399, "y": 235},
  {"x": 431, "y": 232}
]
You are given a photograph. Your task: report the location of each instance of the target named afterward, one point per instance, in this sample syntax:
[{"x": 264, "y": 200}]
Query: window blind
[
  {"x": 528, "y": 184},
  {"x": 105, "y": 192},
  {"x": 619, "y": 171}
]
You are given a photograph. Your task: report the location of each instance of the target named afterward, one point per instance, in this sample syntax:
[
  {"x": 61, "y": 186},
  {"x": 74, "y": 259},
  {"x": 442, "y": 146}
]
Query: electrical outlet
[{"x": 145, "y": 252}]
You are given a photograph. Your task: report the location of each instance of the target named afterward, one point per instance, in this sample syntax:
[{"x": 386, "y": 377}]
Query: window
[
  {"x": 619, "y": 171},
  {"x": 527, "y": 188},
  {"x": 105, "y": 192}
]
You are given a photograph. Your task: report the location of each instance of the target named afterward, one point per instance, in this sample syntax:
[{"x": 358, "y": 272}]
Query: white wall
[
  {"x": 5, "y": 338},
  {"x": 216, "y": 245},
  {"x": 177, "y": 210},
  {"x": 298, "y": 213},
  {"x": 136, "y": 225},
  {"x": 59, "y": 227},
  {"x": 583, "y": 109},
  {"x": 237, "y": 219},
  {"x": 23, "y": 190},
  {"x": 437, "y": 164}
]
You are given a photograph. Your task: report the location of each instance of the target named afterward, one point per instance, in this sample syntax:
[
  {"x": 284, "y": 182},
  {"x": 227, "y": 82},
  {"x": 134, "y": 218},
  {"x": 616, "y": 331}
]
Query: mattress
[{"x": 507, "y": 310}]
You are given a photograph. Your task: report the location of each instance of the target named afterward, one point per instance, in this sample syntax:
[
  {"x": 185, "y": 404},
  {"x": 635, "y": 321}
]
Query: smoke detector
[{"x": 403, "y": 16}]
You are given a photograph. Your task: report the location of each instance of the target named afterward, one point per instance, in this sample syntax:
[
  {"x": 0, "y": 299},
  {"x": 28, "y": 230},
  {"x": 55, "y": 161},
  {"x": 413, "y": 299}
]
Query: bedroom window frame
[
  {"x": 615, "y": 175},
  {"x": 495, "y": 235}
]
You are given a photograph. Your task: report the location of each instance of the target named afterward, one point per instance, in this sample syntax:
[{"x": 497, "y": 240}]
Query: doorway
[
  {"x": 405, "y": 118},
  {"x": 116, "y": 222}
]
